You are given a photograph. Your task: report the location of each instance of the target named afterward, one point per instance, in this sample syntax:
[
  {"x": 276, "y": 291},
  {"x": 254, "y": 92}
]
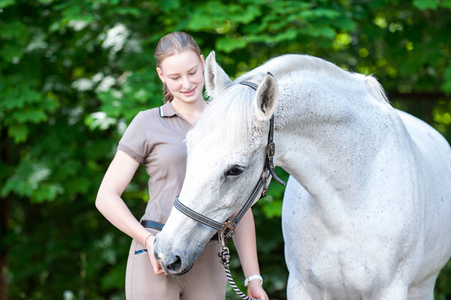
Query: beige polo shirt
[{"x": 155, "y": 138}]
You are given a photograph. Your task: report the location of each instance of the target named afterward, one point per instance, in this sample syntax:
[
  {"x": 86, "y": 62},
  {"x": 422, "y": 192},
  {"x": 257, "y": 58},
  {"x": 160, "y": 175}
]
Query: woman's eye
[{"x": 234, "y": 171}]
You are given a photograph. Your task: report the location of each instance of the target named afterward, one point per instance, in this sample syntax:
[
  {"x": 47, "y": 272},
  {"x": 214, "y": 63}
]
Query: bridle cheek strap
[{"x": 227, "y": 229}]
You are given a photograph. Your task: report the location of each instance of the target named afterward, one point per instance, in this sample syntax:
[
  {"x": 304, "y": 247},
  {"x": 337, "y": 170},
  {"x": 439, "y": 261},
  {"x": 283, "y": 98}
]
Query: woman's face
[{"x": 183, "y": 74}]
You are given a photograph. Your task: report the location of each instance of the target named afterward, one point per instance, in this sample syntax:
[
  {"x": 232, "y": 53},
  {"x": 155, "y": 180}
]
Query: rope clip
[{"x": 224, "y": 255}]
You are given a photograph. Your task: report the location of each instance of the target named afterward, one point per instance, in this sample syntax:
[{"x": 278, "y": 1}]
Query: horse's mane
[
  {"x": 231, "y": 109},
  {"x": 284, "y": 65}
]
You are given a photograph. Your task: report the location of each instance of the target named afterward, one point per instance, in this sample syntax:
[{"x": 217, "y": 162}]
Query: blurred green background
[{"x": 74, "y": 73}]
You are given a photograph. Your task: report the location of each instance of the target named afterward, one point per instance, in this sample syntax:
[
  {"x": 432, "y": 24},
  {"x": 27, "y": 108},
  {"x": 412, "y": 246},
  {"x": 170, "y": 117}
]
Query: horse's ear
[
  {"x": 266, "y": 98},
  {"x": 215, "y": 77}
]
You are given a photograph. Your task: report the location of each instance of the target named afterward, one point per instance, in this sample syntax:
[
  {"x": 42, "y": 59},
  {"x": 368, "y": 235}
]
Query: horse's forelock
[{"x": 227, "y": 118}]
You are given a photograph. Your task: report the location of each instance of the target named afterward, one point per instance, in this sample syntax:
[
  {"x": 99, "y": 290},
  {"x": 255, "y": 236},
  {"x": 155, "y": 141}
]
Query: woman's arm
[
  {"x": 113, "y": 208},
  {"x": 246, "y": 246}
]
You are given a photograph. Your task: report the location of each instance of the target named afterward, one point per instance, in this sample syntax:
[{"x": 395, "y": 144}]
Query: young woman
[{"x": 155, "y": 139}]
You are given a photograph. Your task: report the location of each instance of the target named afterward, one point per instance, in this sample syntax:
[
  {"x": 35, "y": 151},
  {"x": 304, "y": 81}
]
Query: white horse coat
[{"x": 367, "y": 209}]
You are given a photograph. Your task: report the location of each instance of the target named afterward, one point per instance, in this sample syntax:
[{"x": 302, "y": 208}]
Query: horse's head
[{"x": 226, "y": 155}]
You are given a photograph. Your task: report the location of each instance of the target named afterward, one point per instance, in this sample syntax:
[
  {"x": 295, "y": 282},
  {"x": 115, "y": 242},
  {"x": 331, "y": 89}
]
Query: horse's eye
[{"x": 234, "y": 171}]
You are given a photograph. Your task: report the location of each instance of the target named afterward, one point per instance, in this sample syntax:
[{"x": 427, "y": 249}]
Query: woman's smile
[{"x": 190, "y": 92}]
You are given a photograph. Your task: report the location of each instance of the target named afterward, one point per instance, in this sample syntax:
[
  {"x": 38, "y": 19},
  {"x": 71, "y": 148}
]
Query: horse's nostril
[{"x": 176, "y": 265}]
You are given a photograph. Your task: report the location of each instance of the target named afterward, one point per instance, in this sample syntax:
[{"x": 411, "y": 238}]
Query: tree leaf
[
  {"x": 19, "y": 132},
  {"x": 427, "y": 4},
  {"x": 228, "y": 45}
]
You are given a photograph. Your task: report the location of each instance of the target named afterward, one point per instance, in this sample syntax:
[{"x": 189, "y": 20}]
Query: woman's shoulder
[{"x": 148, "y": 115}]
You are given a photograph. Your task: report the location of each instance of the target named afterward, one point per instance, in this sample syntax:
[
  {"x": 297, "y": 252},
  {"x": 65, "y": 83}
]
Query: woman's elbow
[{"x": 100, "y": 201}]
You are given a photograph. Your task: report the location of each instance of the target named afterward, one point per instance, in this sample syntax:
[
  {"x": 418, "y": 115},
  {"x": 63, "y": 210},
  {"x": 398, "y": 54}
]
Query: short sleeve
[{"x": 134, "y": 142}]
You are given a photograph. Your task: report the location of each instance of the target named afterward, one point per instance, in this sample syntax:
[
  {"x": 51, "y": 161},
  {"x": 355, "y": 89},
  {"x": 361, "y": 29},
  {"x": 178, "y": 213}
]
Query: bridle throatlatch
[{"x": 227, "y": 229}]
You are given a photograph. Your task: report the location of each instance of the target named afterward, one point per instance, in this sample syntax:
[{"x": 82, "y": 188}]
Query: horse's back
[
  {"x": 433, "y": 156},
  {"x": 427, "y": 137},
  {"x": 434, "y": 159}
]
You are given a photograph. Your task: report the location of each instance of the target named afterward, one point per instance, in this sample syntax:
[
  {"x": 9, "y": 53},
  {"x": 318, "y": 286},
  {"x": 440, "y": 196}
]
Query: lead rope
[{"x": 225, "y": 258}]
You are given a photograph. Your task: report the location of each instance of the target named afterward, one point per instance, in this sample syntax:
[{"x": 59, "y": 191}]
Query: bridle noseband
[{"x": 227, "y": 229}]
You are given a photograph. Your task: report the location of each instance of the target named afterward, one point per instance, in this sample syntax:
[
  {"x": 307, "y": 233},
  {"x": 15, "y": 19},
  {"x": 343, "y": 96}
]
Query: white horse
[{"x": 367, "y": 209}]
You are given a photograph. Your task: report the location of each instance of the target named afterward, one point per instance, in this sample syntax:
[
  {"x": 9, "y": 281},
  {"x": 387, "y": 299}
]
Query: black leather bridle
[{"x": 227, "y": 229}]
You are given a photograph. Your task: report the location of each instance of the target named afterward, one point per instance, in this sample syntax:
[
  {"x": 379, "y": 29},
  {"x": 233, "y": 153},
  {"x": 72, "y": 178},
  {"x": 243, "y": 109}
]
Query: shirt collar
[{"x": 166, "y": 110}]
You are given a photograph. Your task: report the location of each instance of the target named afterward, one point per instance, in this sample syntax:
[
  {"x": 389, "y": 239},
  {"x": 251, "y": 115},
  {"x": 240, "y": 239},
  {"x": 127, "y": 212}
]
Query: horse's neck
[{"x": 331, "y": 138}]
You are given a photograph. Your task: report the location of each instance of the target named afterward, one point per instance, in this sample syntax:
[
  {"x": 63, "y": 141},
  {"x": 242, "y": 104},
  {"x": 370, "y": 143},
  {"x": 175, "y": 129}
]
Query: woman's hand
[
  {"x": 255, "y": 290},
  {"x": 153, "y": 261}
]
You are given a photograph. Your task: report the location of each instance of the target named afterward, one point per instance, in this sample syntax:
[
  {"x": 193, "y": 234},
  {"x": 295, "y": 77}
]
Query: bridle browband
[{"x": 227, "y": 229}]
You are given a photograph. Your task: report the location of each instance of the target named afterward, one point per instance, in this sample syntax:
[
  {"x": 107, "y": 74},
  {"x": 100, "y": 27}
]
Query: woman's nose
[{"x": 186, "y": 82}]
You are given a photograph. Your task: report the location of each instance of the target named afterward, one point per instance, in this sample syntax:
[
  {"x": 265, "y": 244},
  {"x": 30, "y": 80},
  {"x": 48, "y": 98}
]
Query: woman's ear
[
  {"x": 202, "y": 61},
  {"x": 160, "y": 74}
]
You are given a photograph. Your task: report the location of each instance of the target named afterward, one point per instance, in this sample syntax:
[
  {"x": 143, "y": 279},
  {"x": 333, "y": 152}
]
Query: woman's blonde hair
[{"x": 171, "y": 44}]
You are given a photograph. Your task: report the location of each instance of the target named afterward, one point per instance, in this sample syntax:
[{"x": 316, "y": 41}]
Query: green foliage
[{"x": 74, "y": 73}]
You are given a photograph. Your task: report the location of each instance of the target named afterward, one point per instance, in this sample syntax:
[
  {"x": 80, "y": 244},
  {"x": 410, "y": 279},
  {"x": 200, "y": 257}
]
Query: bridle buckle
[
  {"x": 228, "y": 231},
  {"x": 271, "y": 150}
]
